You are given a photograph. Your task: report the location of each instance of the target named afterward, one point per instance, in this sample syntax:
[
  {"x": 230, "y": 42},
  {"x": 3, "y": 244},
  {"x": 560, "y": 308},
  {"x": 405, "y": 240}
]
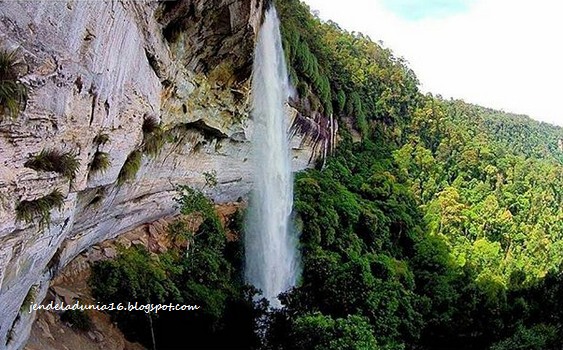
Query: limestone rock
[{"x": 102, "y": 67}]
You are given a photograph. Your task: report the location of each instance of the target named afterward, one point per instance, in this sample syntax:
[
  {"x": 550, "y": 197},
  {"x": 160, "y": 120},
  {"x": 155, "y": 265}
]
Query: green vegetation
[
  {"x": 78, "y": 319},
  {"x": 66, "y": 164},
  {"x": 208, "y": 275},
  {"x": 154, "y": 137},
  {"x": 345, "y": 73},
  {"x": 441, "y": 229},
  {"x": 27, "y": 211},
  {"x": 13, "y": 94},
  {"x": 130, "y": 167},
  {"x": 360, "y": 227},
  {"x": 100, "y": 163},
  {"x": 319, "y": 332},
  {"x": 494, "y": 196},
  {"x": 29, "y": 299},
  {"x": 101, "y": 139},
  {"x": 153, "y": 143},
  {"x": 210, "y": 178},
  {"x": 194, "y": 201}
]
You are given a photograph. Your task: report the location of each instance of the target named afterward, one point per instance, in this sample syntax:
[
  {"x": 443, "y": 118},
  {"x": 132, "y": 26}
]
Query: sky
[{"x": 503, "y": 54}]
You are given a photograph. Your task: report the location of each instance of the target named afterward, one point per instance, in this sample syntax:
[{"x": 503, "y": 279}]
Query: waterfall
[{"x": 272, "y": 261}]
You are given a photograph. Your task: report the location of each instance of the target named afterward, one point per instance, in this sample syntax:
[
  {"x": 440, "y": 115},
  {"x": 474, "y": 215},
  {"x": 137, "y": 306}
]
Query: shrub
[
  {"x": 65, "y": 164},
  {"x": 153, "y": 137},
  {"x": 210, "y": 178},
  {"x": 340, "y": 101},
  {"x": 154, "y": 142},
  {"x": 101, "y": 139},
  {"x": 134, "y": 276},
  {"x": 537, "y": 337},
  {"x": 13, "y": 94},
  {"x": 194, "y": 201},
  {"x": 179, "y": 231},
  {"x": 303, "y": 89},
  {"x": 26, "y": 211},
  {"x": 100, "y": 163},
  {"x": 130, "y": 167},
  {"x": 318, "y": 331},
  {"x": 78, "y": 319}
]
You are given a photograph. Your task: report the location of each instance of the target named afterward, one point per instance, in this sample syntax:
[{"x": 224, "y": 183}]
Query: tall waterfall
[{"x": 272, "y": 262}]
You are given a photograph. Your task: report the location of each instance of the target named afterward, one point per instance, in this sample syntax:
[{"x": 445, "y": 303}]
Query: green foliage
[
  {"x": 484, "y": 190},
  {"x": 194, "y": 201},
  {"x": 441, "y": 229},
  {"x": 437, "y": 243},
  {"x": 303, "y": 89},
  {"x": 518, "y": 134},
  {"x": 318, "y": 332},
  {"x": 538, "y": 337},
  {"x": 359, "y": 228},
  {"x": 205, "y": 275},
  {"x": 210, "y": 178},
  {"x": 347, "y": 72},
  {"x": 101, "y": 139},
  {"x": 27, "y": 211},
  {"x": 100, "y": 163},
  {"x": 29, "y": 299},
  {"x": 130, "y": 167},
  {"x": 78, "y": 319},
  {"x": 13, "y": 94},
  {"x": 154, "y": 137},
  {"x": 66, "y": 164},
  {"x": 135, "y": 268},
  {"x": 179, "y": 231}
]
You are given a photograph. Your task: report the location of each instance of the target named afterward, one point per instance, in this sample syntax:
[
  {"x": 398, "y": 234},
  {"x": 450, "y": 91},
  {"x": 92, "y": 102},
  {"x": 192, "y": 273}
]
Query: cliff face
[{"x": 103, "y": 67}]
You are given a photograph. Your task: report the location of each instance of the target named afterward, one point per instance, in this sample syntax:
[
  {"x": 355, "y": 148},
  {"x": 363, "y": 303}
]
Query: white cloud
[{"x": 504, "y": 54}]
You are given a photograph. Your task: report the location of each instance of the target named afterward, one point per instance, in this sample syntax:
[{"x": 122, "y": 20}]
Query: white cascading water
[{"x": 272, "y": 262}]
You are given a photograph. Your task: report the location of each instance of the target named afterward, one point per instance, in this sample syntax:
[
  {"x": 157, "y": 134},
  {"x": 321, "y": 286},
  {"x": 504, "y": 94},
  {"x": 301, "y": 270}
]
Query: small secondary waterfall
[{"x": 272, "y": 262}]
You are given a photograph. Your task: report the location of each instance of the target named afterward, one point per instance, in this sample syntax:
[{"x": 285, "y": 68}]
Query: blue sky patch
[{"x": 415, "y": 10}]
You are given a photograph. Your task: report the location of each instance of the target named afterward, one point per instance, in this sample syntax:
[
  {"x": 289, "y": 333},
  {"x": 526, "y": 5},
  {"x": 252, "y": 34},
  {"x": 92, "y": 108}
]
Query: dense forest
[{"x": 441, "y": 229}]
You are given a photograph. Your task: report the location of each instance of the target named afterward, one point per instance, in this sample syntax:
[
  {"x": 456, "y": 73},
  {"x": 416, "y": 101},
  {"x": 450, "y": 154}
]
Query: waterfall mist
[{"x": 272, "y": 262}]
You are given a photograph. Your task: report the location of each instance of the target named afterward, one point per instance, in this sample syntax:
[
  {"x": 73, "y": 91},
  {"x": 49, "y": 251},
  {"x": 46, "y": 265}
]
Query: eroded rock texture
[{"x": 103, "y": 67}]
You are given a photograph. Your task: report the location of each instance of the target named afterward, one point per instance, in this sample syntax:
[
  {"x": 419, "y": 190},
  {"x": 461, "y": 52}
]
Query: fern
[
  {"x": 101, "y": 139},
  {"x": 153, "y": 137},
  {"x": 130, "y": 167},
  {"x": 100, "y": 163},
  {"x": 66, "y": 164},
  {"x": 27, "y": 211}
]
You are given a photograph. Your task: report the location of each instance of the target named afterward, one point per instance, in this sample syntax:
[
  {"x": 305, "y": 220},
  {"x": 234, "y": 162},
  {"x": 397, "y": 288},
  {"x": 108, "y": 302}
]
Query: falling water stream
[{"x": 272, "y": 262}]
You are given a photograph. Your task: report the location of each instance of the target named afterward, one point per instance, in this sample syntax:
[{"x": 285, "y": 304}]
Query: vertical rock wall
[{"x": 103, "y": 67}]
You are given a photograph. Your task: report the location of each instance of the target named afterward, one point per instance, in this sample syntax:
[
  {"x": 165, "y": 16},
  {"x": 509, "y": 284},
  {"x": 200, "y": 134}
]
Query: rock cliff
[{"x": 103, "y": 68}]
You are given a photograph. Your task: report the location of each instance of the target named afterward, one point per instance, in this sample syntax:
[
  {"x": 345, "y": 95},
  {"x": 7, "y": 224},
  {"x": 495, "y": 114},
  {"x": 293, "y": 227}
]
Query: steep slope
[
  {"x": 440, "y": 229},
  {"x": 159, "y": 87}
]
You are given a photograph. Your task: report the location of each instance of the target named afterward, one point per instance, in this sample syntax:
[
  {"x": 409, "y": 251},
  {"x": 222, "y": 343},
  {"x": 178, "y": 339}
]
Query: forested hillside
[
  {"x": 441, "y": 229},
  {"x": 433, "y": 225}
]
